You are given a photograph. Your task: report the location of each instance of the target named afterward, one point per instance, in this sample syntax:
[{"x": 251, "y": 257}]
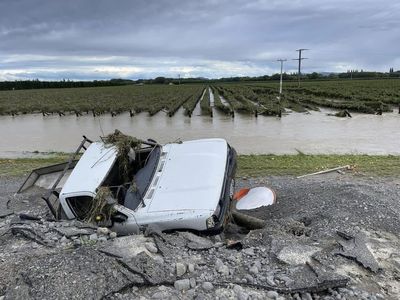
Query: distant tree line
[
  {"x": 38, "y": 84},
  {"x": 166, "y": 80},
  {"x": 350, "y": 74},
  {"x": 356, "y": 74},
  {"x": 368, "y": 74}
]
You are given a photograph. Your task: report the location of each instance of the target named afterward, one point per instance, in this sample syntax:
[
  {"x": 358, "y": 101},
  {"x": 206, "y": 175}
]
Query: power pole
[
  {"x": 179, "y": 79},
  {"x": 300, "y": 59},
  {"x": 280, "y": 86}
]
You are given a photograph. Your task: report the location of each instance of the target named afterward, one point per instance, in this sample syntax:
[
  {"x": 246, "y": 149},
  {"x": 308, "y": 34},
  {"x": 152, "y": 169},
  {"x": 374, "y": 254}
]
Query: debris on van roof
[{"x": 125, "y": 145}]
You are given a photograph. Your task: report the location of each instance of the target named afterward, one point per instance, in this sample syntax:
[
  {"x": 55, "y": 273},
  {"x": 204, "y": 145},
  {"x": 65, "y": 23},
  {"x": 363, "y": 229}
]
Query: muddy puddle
[{"x": 309, "y": 133}]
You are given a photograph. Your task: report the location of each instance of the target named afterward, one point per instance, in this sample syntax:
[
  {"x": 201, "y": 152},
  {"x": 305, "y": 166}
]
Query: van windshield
[
  {"x": 142, "y": 180},
  {"x": 80, "y": 206}
]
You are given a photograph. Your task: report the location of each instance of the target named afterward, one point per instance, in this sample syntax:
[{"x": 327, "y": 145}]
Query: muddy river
[{"x": 309, "y": 133}]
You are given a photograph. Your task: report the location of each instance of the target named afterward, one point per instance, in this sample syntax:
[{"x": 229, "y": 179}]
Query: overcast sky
[{"x": 103, "y": 39}]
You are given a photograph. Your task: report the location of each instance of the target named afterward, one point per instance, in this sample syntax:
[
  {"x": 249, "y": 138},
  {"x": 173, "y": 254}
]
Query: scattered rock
[
  {"x": 180, "y": 269},
  {"x": 221, "y": 267},
  {"x": 297, "y": 254},
  {"x": 192, "y": 282},
  {"x": 64, "y": 239},
  {"x": 102, "y": 239},
  {"x": 151, "y": 247},
  {"x": 126, "y": 247},
  {"x": 306, "y": 296},
  {"x": 93, "y": 237},
  {"x": 242, "y": 295},
  {"x": 270, "y": 280},
  {"x": 253, "y": 270},
  {"x": 272, "y": 294},
  {"x": 208, "y": 286},
  {"x": 196, "y": 242},
  {"x": 182, "y": 284},
  {"x": 102, "y": 230},
  {"x": 249, "y": 278},
  {"x": 113, "y": 235},
  {"x": 237, "y": 288},
  {"x": 249, "y": 251},
  {"x": 191, "y": 268},
  {"x": 160, "y": 295},
  {"x": 69, "y": 232}
]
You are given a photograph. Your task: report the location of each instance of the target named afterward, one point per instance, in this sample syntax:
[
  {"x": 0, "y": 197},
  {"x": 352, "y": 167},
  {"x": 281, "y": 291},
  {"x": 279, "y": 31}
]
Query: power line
[{"x": 300, "y": 59}]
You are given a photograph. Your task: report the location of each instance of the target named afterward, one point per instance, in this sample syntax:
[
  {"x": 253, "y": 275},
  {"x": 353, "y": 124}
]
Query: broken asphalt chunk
[
  {"x": 196, "y": 242},
  {"x": 30, "y": 234},
  {"x": 297, "y": 254},
  {"x": 307, "y": 278},
  {"x": 151, "y": 271},
  {"x": 73, "y": 231},
  {"x": 5, "y": 213},
  {"x": 83, "y": 273},
  {"x": 354, "y": 247},
  {"x": 126, "y": 247},
  {"x": 28, "y": 217}
]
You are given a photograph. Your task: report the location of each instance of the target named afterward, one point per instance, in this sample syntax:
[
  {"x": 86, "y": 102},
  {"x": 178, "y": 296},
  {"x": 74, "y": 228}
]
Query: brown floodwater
[{"x": 309, "y": 133}]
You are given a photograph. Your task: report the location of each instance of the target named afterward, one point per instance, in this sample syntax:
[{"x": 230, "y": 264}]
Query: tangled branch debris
[
  {"x": 125, "y": 144},
  {"x": 102, "y": 207}
]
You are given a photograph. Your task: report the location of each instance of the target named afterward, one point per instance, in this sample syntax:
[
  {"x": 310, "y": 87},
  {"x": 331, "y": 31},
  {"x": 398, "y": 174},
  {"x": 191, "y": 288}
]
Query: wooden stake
[{"x": 347, "y": 167}]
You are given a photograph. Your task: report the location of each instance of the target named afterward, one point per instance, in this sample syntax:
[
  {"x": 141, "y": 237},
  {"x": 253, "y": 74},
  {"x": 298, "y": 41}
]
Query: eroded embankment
[{"x": 331, "y": 236}]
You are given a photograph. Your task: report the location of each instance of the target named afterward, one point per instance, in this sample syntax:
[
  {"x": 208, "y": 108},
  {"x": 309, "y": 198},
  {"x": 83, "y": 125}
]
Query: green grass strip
[
  {"x": 264, "y": 165},
  {"x": 253, "y": 165}
]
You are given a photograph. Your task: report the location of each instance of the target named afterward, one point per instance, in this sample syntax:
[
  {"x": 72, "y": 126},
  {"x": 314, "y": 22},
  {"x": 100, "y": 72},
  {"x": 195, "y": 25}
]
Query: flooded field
[{"x": 309, "y": 133}]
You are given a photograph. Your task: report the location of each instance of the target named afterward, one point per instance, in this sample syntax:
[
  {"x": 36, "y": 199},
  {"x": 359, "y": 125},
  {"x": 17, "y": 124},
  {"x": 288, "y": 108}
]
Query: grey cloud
[{"x": 247, "y": 36}]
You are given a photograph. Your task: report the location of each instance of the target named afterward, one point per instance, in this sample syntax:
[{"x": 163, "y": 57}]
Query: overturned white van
[{"x": 185, "y": 185}]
